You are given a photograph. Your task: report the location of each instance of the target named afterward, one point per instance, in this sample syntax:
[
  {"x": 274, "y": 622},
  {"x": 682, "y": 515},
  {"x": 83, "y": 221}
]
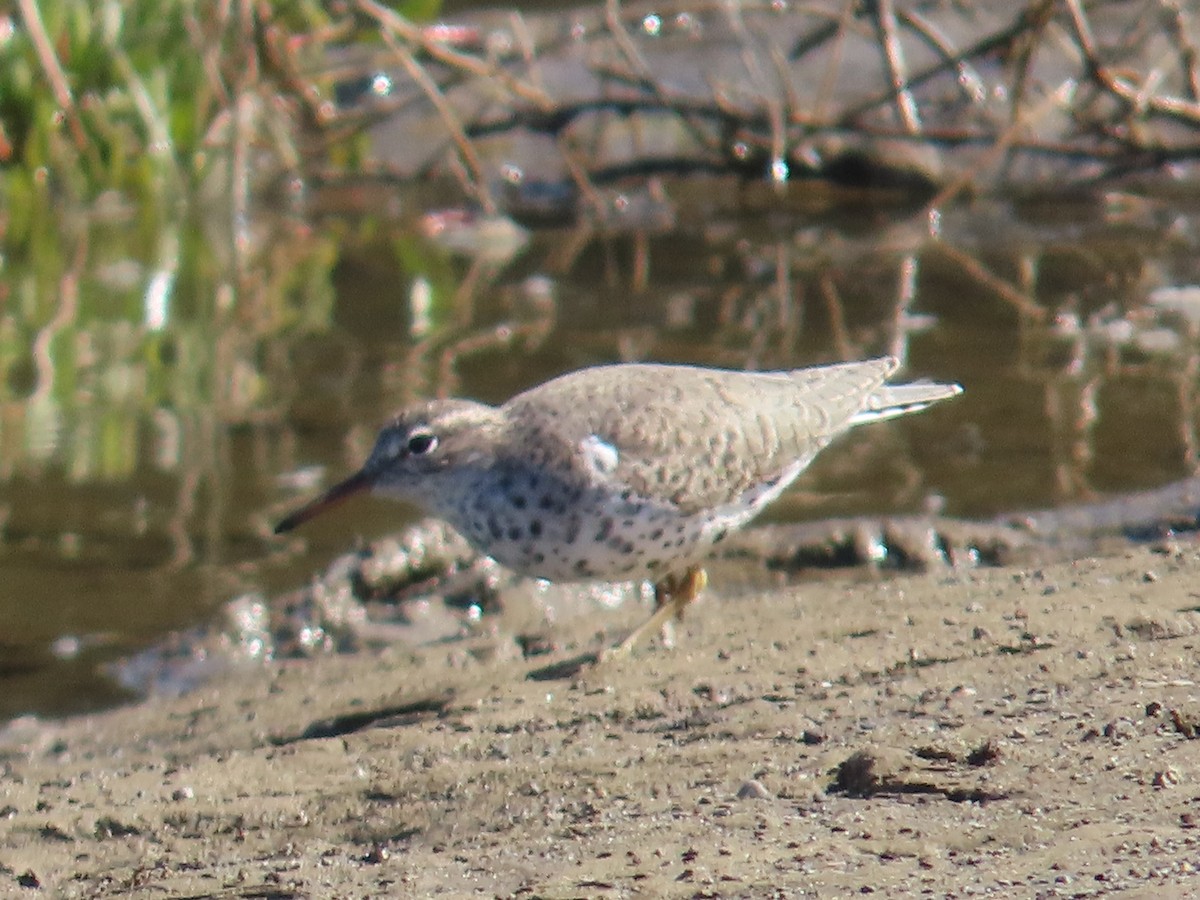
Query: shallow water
[{"x": 160, "y": 410}]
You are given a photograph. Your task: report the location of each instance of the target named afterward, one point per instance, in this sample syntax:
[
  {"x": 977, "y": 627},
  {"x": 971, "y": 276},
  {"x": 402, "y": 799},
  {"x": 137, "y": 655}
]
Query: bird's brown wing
[{"x": 691, "y": 437}]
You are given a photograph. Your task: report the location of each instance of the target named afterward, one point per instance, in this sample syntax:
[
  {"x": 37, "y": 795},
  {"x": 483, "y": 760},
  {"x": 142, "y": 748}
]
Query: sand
[{"x": 1015, "y": 732}]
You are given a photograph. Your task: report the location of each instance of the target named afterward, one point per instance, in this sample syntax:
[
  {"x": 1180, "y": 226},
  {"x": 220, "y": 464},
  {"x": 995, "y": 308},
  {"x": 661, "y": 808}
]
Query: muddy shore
[{"x": 1024, "y": 732}]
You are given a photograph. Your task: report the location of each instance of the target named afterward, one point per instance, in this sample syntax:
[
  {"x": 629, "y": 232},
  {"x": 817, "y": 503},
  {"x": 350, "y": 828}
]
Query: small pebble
[
  {"x": 753, "y": 790},
  {"x": 1165, "y": 778}
]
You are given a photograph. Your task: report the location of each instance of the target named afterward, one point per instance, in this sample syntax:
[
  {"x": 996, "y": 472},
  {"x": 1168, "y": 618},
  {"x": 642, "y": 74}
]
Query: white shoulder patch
[{"x": 600, "y": 454}]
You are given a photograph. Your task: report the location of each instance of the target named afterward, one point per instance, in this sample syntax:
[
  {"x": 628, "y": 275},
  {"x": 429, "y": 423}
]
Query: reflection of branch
[
  {"x": 64, "y": 315},
  {"x": 54, "y": 72},
  {"x": 504, "y": 334},
  {"x": 973, "y": 268},
  {"x": 1071, "y": 414},
  {"x": 579, "y": 175},
  {"x": 239, "y": 143},
  {"x": 837, "y": 316},
  {"x": 183, "y": 551},
  {"x": 1186, "y": 392}
]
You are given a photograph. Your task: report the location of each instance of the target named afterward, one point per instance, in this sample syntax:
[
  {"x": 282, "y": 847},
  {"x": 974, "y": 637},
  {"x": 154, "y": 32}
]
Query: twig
[
  {"x": 967, "y": 77},
  {"x": 612, "y": 18},
  {"x": 159, "y": 134},
  {"x": 470, "y": 159},
  {"x": 529, "y": 54},
  {"x": 885, "y": 22},
  {"x": 54, "y": 72},
  {"x": 1189, "y": 58},
  {"x": 774, "y": 106},
  {"x": 1136, "y": 98},
  {"x": 398, "y": 26},
  {"x": 1000, "y": 42},
  {"x": 1001, "y": 145},
  {"x": 829, "y": 78}
]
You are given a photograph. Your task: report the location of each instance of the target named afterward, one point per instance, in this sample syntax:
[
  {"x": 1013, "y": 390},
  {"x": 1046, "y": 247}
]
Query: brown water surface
[{"x": 159, "y": 408}]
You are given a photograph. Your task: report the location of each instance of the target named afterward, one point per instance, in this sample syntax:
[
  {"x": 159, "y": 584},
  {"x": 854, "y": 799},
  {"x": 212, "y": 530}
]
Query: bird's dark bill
[{"x": 357, "y": 483}]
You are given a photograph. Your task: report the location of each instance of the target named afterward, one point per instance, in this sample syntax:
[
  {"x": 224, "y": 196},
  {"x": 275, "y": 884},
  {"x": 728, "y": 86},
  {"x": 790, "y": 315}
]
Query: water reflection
[{"x": 165, "y": 395}]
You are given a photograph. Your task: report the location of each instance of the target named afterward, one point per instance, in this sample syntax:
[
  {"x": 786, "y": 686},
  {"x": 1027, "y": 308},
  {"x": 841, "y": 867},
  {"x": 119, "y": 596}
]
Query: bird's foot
[{"x": 671, "y": 597}]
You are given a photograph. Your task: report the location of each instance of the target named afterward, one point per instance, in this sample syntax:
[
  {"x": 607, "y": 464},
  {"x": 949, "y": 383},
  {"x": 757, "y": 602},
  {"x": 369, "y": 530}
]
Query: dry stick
[
  {"x": 1189, "y": 57},
  {"x": 612, "y": 18},
  {"x": 775, "y": 111},
  {"x": 1001, "y": 146},
  {"x": 54, "y": 72},
  {"x": 528, "y": 49},
  {"x": 783, "y": 76},
  {"x": 1172, "y": 107},
  {"x": 1029, "y": 27},
  {"x": 893, "y": 55},
  {"x": 396, "y": 24},
  {"x": 209, "y": 52},
  {"x": 640, "y": 77},
  {"x": 643, "y": 75},
  {"x": 828, "y": 88},
  {"x": 281, "y": 50},
  {"x": 285, "y": 144},
  {"x": 999, "y": 43},
  {"x": 960, "y": 136},
  {"x": 450, "y": 119},
  {"x": 968, "y": 79}
]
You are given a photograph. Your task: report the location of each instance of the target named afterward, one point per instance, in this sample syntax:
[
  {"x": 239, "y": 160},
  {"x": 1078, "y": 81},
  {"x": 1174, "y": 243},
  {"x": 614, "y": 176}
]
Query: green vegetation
[
  {"x": 137, "y": 97},
  {"x": 145, "y": 148},
  {"x": 160, "y": 100}
]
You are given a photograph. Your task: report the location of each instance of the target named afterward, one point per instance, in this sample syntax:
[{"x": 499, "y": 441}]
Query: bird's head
[{"x": 421, "y": 456}]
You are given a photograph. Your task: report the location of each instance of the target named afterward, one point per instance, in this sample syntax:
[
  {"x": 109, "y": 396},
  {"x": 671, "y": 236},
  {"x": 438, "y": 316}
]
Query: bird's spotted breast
[{"x": 589, "y": 534}]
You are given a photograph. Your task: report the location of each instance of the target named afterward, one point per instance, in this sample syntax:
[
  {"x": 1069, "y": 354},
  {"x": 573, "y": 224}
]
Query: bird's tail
[{"x": 891, "y": 400}]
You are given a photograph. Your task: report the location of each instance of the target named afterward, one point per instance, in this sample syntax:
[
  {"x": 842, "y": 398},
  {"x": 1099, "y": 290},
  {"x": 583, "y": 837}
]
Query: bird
[{"x": 623, "y": 471}]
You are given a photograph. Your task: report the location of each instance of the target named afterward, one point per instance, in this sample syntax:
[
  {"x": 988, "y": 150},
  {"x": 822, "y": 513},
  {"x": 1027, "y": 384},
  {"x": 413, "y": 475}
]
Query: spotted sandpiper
[{"x": 622, "y": 472}]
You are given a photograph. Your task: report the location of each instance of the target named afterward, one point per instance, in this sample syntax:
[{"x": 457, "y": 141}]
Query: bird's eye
[{"x": 421, "y": 443}]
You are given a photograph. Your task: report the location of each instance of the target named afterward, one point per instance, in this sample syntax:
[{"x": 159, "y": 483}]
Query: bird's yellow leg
[{"x": 671, "y": 597}]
